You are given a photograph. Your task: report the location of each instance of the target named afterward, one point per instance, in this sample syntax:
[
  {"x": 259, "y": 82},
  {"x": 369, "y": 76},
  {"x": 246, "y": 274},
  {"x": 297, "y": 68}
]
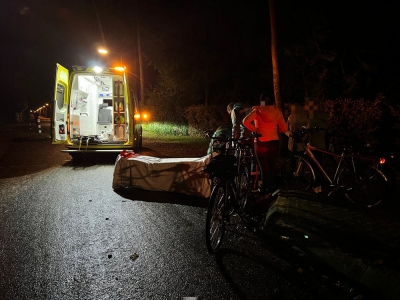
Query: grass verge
[{"x": 175, "y": 138}]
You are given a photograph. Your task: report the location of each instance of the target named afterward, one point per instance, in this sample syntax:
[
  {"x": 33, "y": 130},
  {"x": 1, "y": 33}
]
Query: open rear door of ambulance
[{"x": 60, "y": 114}]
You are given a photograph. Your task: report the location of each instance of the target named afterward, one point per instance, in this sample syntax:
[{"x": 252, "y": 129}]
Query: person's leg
[
  {"x": 267, "y": 153},
  {"x": 272, "y": 152},
  {"x": 259, "y": 149},
  {"x": 262, "y": 150}
]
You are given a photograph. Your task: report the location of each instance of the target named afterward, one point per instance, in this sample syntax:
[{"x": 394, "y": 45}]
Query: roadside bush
[
  {"x": 358, "y": 122},
  {"x": 165, "y": 128},
  {"x": 201, "y": 118}
]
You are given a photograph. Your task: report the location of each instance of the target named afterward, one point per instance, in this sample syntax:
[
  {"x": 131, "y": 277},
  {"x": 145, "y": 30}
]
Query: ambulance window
[{"x": 60, "y": 95}]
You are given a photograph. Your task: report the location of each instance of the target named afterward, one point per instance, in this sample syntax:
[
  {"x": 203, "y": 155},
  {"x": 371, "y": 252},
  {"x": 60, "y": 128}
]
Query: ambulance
[{"x": 94, "y": 111}]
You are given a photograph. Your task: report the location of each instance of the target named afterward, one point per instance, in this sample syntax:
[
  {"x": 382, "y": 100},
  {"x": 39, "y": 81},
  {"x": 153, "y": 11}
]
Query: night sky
[{"x": 37, "y": 34}]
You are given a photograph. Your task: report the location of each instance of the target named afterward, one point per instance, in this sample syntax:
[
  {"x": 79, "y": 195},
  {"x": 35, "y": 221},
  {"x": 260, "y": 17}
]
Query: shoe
[{"x": 317, "y": 189}]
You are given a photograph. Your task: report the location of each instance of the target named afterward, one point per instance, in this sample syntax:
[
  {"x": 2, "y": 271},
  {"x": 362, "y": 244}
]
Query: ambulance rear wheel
[
  {"x": 137, "y": 142},
  {"x": 140, "y": 138},
  {"x": 76, "y": 157}
]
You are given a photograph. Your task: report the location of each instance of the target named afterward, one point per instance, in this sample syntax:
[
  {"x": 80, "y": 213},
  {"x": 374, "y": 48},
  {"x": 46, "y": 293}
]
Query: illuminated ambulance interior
[{"x": 97, "y": 108}]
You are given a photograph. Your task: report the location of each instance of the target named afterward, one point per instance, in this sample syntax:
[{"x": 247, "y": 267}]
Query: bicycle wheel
[
  {"x": 368, "y": 187},
  {"x": 243, "y": 186},
  {"x": 215, "y": 221},
  {"x": 297, "y": 173}
]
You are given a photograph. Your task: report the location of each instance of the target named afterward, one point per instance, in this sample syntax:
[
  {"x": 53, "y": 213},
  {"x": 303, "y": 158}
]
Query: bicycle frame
[
  {"x": 229, "y": 192},
  {"x": 355, "y": 175},
  {"x": 308, "y": 151},
  {"x": 249, "y": 156}
]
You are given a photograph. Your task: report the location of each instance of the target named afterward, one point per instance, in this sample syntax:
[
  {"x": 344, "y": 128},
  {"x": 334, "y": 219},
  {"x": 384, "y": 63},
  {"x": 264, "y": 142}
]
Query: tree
[
  {"x": 308, "y": 54},
  {"x": 217, "y": 56}
]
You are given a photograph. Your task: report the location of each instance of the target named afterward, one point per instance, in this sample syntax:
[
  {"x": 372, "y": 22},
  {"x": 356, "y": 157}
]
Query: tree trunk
[
  {"x": 274, "y": 54},
  {"x": 141, "y": 81}
]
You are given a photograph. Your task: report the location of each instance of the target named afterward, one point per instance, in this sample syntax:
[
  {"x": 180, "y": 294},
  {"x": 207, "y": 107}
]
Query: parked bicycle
[
  {"x": 354, "y": 175},
  {"x": 232, "y": 181}
]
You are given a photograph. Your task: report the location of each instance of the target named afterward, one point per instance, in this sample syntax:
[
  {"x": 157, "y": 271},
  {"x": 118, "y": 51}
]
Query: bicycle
[
  {"x": 353, "y": 175},
  {"x": 230, "y": 174}
]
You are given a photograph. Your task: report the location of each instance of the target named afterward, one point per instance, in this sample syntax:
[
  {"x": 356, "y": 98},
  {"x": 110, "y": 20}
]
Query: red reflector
[{"x": 382, "y": 161}]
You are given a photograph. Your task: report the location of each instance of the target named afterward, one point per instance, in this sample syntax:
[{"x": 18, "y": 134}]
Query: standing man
[
  {"x": 36, "y": 116},
  {"x": 237, "y": 112},
  {"x": 268, "y": 121}
]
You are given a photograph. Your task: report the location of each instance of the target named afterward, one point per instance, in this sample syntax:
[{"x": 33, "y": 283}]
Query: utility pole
[
  {"x": 274, "y": 54},
  {"x": 99, "y": 24},
  {"x": 141, "y": 82}
]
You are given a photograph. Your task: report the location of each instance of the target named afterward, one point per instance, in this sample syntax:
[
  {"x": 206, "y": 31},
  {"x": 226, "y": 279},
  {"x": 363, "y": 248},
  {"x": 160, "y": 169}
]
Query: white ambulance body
[{"x": 94, "y": 111}]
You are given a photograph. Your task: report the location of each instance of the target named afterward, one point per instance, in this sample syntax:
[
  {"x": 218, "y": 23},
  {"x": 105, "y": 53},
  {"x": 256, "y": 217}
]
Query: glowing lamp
[
  {"x": 120, "y": 69},
  {"x": 97, "y": 69}
]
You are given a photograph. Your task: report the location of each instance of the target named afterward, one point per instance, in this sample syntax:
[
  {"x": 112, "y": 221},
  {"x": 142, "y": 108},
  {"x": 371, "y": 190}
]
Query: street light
[{"x": 105, "y": 51}]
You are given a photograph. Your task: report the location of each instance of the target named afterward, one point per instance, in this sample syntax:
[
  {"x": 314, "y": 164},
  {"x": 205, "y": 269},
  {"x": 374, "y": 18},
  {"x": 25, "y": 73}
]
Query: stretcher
[{"x": 181, "y": 175}]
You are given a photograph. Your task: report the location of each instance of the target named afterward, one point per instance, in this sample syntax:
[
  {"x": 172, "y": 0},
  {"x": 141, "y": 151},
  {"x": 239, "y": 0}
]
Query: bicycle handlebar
[
  {"x": 230, "y": 139},
  {"x": 304, "y": 131}
]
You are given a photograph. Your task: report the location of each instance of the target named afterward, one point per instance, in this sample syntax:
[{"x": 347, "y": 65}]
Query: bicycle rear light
[{"x": 382, "y": 160}]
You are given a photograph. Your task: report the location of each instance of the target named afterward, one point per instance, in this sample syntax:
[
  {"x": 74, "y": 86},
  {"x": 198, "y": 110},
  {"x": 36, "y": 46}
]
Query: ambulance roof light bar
[{"x": 98, "y": 69}]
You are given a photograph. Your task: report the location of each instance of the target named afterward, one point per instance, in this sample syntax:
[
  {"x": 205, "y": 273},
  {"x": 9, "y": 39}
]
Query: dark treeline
[{"x": 205, "y": 52}]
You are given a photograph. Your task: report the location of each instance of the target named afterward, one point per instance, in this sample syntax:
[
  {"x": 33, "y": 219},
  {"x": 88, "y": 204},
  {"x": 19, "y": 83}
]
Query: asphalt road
[{"x": 66, "y": 234}]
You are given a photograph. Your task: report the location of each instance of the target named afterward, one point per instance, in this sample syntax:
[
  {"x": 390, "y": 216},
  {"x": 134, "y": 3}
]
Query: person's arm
[
  {"x": 290, "y": 124},
  {"x": 248, "y": 119},
  {"x": 235, "y": 123},
  {"x": 282, "y": 125}
]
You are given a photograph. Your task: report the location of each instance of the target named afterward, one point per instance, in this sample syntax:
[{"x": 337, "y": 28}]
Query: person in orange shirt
[{"x": 268, "y": 121}]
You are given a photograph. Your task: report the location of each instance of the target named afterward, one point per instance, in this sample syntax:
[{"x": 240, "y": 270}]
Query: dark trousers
[{"x": 267, "y": 153}]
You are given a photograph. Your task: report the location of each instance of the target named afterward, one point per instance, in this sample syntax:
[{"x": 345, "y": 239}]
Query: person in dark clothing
[
  {"x": 222, "y": 132},
  {"x": 237, "y": 112},
  {"x": 36, "y": 116}
]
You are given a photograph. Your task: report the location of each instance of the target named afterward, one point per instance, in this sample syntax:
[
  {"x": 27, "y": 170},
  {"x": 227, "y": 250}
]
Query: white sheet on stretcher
[{"x": 181, "y": 175}]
